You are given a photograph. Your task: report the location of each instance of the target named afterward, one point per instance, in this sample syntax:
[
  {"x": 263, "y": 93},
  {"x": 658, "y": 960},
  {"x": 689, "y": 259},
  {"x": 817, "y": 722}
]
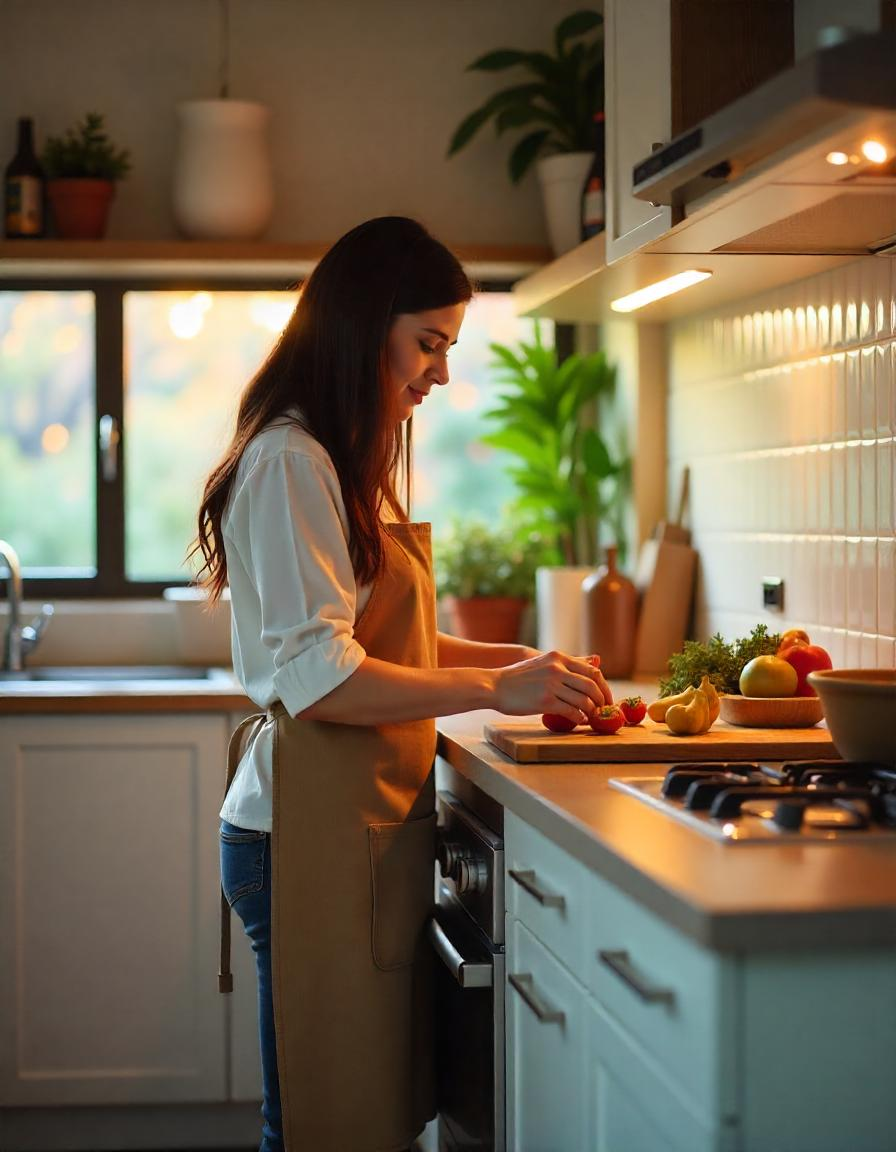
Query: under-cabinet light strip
[{"x": 658, "y": 290}]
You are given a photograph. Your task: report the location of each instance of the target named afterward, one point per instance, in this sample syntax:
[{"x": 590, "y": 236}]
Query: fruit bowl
[
  {"x": 859, "y": 706},
  {"x": 771, "y": 711}
]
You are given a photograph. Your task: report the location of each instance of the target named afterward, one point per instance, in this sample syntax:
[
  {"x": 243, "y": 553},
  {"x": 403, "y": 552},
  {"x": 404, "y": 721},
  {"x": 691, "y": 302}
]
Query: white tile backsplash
[{"x": 784, "y": 407}]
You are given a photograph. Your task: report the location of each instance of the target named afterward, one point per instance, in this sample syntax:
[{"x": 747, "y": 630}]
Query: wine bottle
[
  {"x": 593, "y": 191},
  {"x": 24, "y": 189}
]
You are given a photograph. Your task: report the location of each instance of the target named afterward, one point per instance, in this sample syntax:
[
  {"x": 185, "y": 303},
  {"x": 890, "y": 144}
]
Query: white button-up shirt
[{"x": 293, "y": 596}]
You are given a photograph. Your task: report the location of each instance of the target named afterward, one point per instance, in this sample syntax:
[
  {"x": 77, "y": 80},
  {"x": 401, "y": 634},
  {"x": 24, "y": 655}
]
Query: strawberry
[
  {"x": 608, "y": 720},
  {"x": 555, "y": 723},
  {"x": 634, "y": 710}
]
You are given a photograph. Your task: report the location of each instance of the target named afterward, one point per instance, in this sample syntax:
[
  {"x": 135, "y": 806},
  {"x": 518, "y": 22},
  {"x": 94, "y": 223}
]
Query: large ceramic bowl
[{"x": 860, "y": 708}]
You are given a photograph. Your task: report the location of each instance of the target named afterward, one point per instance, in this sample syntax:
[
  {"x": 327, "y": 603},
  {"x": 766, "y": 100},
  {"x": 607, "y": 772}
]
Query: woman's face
[{"x": 418, "y": 350}]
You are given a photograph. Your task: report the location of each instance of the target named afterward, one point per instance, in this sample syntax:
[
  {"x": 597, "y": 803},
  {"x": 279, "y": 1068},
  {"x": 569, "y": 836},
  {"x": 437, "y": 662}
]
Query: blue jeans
[{"x": 246, "y": 880}]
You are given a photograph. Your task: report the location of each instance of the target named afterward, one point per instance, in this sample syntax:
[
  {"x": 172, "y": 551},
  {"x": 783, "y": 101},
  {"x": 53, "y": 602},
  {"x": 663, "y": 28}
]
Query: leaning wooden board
[{"x": 530, "y": 743}]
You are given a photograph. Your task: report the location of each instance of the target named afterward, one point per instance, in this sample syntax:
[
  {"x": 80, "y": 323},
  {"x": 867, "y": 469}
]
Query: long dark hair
[{"x": 331, "y": 361}]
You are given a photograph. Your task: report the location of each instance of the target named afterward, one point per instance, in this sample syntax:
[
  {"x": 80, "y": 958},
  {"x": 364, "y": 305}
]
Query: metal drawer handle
[
  {"x": 526, "y": 879},
  {"x": 620, "y": 963},
  {"x": 524, "y": 984}
]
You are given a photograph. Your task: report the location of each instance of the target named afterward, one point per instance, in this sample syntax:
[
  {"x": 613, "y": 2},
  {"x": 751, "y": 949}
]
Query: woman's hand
[{"x": 551, "y": 682}]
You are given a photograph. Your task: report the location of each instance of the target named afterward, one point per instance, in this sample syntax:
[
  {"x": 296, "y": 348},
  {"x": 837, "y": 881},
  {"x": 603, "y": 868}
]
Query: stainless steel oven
[{"x": 467, "y": 932}]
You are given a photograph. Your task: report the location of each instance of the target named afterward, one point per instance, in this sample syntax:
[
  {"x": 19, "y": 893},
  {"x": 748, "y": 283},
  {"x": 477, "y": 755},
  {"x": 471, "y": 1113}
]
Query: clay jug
[{"x": 609, "y": 618}]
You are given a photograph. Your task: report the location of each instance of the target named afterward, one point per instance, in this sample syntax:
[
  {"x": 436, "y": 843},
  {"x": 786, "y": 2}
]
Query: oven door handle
[{"x": 467, "y": 973}]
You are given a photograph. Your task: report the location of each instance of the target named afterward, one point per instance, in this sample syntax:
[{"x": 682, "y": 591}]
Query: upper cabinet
[
  {"x": 638, "y": 105},
  {"x": 668, "y": 64}
]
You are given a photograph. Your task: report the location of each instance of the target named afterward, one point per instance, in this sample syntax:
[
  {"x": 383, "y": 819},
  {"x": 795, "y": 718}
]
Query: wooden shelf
[{"x": 166, "y": 259}]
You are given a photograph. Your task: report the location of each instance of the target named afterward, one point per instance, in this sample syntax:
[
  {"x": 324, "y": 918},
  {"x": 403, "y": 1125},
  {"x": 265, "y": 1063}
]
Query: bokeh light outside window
[
  {"x": 187, "y": 357},
  {"x": 47, "y": 422}
]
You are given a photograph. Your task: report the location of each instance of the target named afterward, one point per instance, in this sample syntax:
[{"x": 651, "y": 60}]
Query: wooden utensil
[{"x": 665, "y": 578}]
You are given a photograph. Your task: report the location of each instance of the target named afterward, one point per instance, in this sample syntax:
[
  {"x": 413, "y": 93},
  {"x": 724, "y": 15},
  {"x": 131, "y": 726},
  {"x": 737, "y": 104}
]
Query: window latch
[{"x": 109, "y": 440}]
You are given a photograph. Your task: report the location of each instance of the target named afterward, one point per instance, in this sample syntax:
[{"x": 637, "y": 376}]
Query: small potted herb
[
  {"x": 485, "y": 578},
  {"x": 82, "y": 167}
]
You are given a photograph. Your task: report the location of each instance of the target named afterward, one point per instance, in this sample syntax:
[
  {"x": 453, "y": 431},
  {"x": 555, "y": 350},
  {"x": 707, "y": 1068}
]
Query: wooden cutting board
[{"x": 530, "y": 743}]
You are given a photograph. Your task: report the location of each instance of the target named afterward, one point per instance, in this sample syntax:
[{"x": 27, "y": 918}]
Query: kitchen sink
[{"x": 111, "y": 673}]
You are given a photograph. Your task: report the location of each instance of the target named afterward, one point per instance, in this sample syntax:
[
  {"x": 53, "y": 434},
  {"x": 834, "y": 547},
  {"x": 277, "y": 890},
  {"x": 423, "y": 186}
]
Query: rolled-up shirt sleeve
[{"x": 300, "y": 564}]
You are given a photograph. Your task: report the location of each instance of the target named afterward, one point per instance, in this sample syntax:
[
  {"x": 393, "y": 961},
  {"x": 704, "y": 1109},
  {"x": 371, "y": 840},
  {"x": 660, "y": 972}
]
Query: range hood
[{"x": 782, "y": 169}]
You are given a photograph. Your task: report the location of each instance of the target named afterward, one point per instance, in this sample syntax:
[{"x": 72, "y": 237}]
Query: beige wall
[
  {"x": 784, "y": 406},
  {"x": 365, "y": 95}
]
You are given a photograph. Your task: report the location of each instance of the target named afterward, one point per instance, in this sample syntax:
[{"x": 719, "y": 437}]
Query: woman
[{"x": 328, "y": 826}]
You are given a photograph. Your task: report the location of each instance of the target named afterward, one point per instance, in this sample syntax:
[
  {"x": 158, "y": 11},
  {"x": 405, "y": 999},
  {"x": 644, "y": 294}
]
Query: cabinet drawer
[
  {"x": 545, "y": 888},
  {"x": 546, "y": 1045},
  {"x": 673, "y": 997},
  {"x": 632, "y": 1104}
]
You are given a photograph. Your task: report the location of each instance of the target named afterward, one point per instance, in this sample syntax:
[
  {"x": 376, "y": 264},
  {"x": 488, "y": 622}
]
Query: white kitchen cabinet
[
  {"x": 109, "y": 910},
  {"x": 684, "y": 1049},
  {"x": 638, "y": 107},
  {"x": 546, "y": 1043},
  {"x": 631, "y": 1104}
]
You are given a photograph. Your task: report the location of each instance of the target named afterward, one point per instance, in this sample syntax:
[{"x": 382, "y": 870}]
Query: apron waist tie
[{"x": 225, "y": 976}]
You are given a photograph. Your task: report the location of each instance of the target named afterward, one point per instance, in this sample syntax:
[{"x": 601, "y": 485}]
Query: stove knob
[
  {"x": 448, "y": 855},
  {"x": 472, "y": 875}
]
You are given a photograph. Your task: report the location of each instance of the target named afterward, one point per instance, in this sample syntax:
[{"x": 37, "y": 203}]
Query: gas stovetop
[{"x": 805, "y": 800}]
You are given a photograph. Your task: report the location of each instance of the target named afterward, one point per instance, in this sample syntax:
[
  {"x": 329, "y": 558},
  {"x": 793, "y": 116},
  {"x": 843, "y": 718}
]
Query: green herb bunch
[
  {"x": 85, "y": 152},
  {"x": 721, "y": 662},
  {"x": 473, "y": 559}
]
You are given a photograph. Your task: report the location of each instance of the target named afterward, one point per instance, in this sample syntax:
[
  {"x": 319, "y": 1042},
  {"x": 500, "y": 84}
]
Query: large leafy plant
[
  {"x": 473, "y": 559},
  {"x": 568, "y": 481},
  {"x": 558, "y": 103},
  {"x": 86, "y": 152}
]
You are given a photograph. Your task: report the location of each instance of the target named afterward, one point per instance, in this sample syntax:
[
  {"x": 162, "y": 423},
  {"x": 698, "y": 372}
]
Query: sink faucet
[{"x": 18, "y": 641}]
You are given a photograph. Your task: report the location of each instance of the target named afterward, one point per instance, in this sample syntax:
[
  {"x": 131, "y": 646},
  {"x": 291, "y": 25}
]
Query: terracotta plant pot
[
  {"x": 80, "y": 207},
  {"x": 493, "y": 619}
]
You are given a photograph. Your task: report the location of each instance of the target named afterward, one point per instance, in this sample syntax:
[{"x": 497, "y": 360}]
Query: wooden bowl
[{"x": 771, "y": 711}]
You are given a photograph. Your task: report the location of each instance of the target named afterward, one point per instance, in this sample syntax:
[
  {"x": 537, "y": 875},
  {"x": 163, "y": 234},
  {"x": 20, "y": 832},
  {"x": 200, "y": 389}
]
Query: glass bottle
[
  {"x": 593, "y": 218},
  {"x": 24, "y": 189}
]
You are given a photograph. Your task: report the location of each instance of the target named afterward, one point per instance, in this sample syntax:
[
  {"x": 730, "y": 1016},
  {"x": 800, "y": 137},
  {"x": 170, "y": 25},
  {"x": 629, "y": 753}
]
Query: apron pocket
[{"x": 402, "y": 864}]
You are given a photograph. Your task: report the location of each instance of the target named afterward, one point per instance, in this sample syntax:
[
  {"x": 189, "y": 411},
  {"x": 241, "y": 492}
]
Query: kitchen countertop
[
  {"x": 221, "y": 693},
  {"x": 730, "y": 897}
]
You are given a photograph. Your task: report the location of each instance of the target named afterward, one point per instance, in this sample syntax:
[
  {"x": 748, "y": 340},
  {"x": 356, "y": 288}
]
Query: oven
[{"x": 467, "y": 933}]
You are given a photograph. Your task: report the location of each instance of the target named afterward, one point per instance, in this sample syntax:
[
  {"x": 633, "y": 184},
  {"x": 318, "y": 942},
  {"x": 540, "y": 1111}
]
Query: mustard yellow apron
[{"x": 353, "y": 849}]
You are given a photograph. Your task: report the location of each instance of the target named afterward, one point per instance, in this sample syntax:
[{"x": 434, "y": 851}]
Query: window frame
[{"x": 110, "y": 581}]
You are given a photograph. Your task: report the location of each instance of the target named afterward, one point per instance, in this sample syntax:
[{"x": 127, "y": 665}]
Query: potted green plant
[
  {"x": 485, "y": 577},
  {"x": 569, "y": 482},
  {"x": 557, "y": 103},
  {"x": 82, "y": 167}
]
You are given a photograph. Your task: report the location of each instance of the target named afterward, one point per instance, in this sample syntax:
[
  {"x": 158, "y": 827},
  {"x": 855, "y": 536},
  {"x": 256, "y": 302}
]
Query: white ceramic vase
[
  {"x": 558, "y": 608},
  {"x": 223, "y": 187},
  {"x": 562, "y": 179}
]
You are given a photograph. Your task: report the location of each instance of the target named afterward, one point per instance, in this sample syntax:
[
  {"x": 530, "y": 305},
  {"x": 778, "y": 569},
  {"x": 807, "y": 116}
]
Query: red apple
[{"x": 805, "y": 658}]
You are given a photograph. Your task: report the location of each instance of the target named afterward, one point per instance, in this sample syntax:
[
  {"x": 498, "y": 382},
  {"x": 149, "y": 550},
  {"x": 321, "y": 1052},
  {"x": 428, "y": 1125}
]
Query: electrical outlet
[{"x": 773, "y": 593}]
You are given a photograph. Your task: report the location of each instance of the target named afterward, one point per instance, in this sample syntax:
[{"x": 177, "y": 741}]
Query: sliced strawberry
[{"x": 608, "y": 720}]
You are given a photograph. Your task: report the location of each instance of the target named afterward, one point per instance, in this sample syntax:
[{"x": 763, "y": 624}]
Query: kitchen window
[{"x": 115, "y": 400}]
